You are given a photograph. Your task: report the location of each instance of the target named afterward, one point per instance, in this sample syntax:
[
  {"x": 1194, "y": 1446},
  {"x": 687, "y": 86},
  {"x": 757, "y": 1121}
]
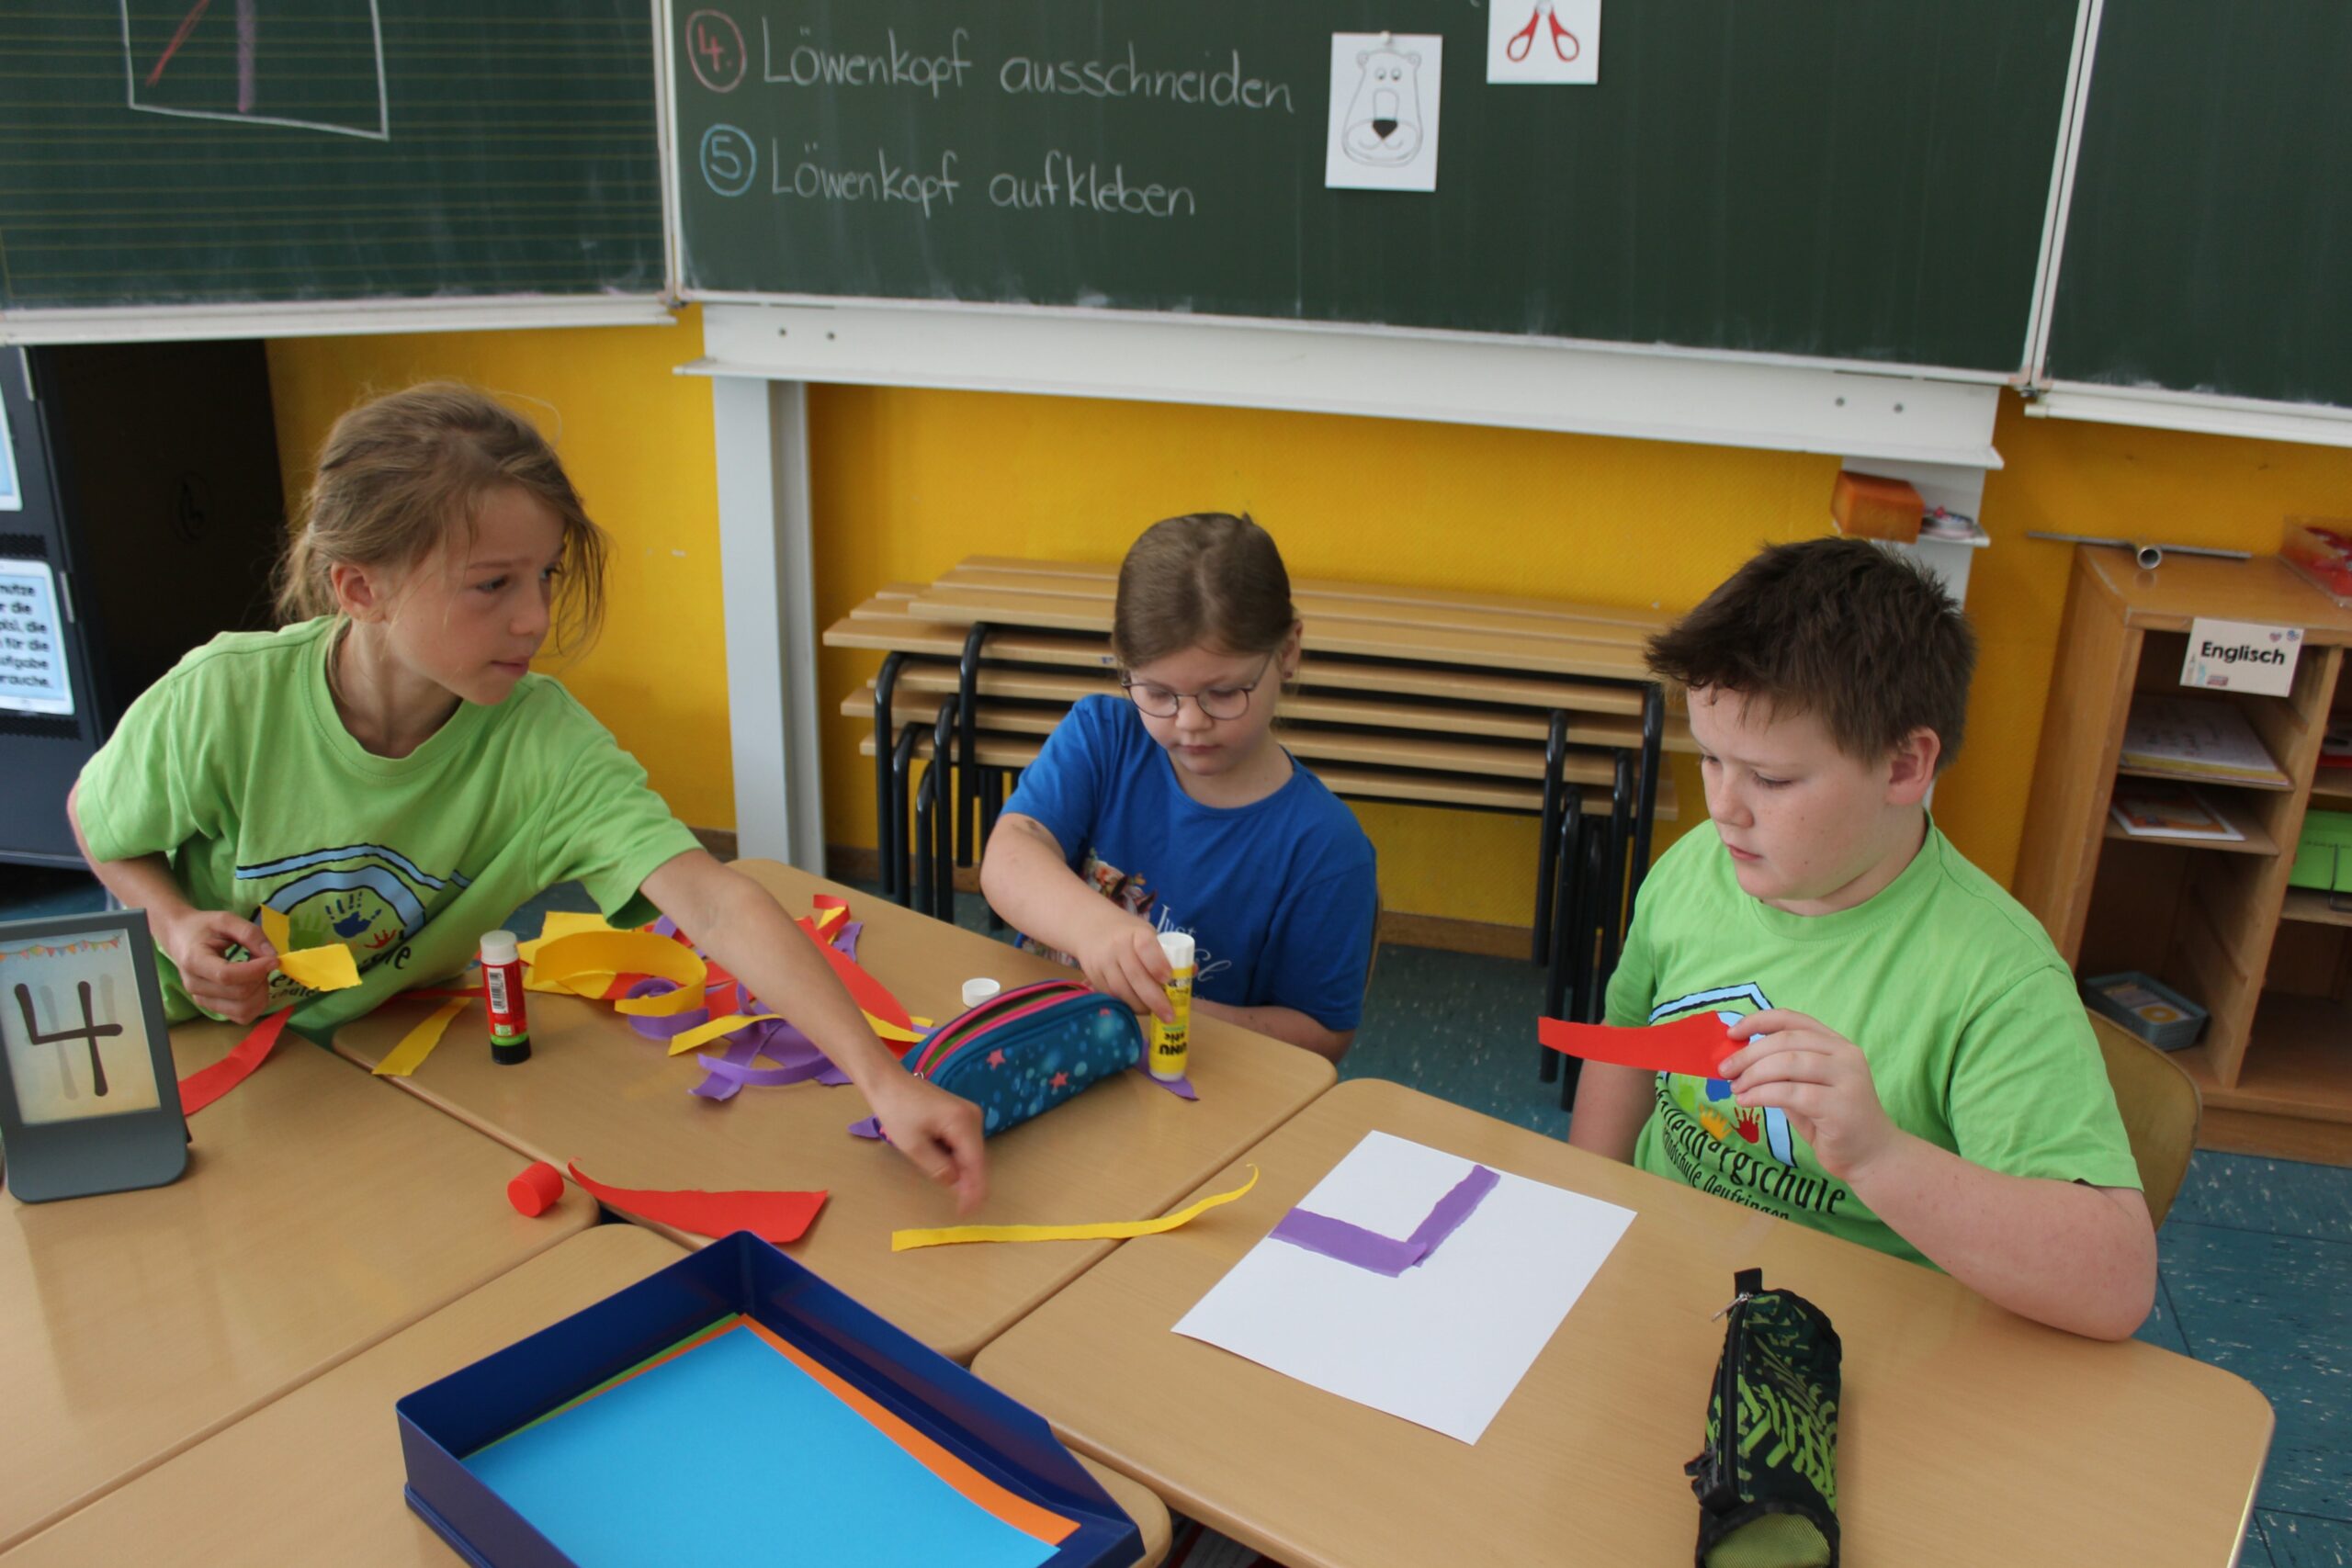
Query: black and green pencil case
[{"x": 1767, "y": 1478}]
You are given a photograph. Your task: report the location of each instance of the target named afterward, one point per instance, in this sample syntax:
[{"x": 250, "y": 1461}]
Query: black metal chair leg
[
  {"x": 1615, "y": 908},
  {"x": 992, "y": 808},
  {"x": 1555, "y": 973},
  {"x": 903, "y": 764},
  {"x": 888, "y": 830},
  {"x": 967, "y": 753},
  {"x": 926, "y": 828},
  {"x": 1645, "y": 820},
  {"x": 1547, "y": 844},
  {"x": 941, "y": 846}
]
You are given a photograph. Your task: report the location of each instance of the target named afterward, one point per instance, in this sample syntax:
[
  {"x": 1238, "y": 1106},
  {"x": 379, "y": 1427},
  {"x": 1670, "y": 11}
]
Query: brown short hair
[
  {"x": 400, "y": 474},
  {"x": 1844, "y": 629},
  {"x": 1207, "y": 580}
]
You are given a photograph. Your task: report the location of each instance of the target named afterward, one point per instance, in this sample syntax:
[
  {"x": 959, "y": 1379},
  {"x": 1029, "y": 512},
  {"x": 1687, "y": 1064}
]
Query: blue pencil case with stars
[{"x": 1024, "y": 1051}]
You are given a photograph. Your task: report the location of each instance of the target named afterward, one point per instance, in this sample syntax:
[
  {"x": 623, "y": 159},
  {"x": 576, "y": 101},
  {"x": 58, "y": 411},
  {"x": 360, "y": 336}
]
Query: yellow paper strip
[
  {"x": 570, "y": 958},
  {"x": 704, "y": 1033},
  {"x": 417, "y": 1043},
  {"x": 591, "y": 985},
  {"x": 1114, "y": 1230},
  {"x": 561, "y": 924},
  {"x": 892, "y": 1031},
  {"x": 276, "y": 927},
  {"x": 321, "y": 968}
]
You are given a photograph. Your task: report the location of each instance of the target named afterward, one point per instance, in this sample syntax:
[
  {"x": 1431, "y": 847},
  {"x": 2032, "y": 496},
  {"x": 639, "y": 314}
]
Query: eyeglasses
[{"x": 1217, "y": 702}]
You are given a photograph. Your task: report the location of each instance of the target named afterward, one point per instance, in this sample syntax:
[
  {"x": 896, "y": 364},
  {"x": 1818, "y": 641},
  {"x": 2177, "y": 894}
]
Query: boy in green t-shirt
[{"x": 1918, "y": 1073}]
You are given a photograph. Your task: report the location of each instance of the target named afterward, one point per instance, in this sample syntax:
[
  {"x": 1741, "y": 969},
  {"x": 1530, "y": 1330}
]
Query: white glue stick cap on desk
[
  {"x": 1178, "y": 946},
  {"x": 978, "y": 990},
  {"x": 500, "y": 947}
]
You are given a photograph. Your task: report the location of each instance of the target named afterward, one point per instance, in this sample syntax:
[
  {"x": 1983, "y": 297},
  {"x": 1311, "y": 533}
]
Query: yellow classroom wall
[{"x": 907, "y": 483}]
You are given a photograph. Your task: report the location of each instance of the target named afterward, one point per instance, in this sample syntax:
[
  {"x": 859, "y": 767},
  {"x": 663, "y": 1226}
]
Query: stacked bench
[{"x": 1482, "y": 703}]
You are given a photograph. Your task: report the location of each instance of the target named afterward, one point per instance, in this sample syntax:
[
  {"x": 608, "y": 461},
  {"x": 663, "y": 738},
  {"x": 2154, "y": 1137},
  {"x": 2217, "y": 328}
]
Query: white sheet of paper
[
  {"x": 1444, "y": 1344},
  {"x": 1550, "y": 42},
  {"x": 1383, "y": 111},
  {"x": 33, "y": 677}
]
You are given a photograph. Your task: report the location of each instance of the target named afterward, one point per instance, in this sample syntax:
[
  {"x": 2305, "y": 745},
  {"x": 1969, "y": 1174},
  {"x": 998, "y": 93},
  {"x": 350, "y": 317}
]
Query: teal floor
[{"x": 2256, "y": 1255}]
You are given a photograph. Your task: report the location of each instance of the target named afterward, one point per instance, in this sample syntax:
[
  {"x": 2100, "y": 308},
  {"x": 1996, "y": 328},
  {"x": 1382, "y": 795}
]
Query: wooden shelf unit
[{"x": 2273, "y": 964}]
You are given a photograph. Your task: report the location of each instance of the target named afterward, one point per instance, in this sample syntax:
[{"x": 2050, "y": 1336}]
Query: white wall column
[{"x": 768, "y": 592}]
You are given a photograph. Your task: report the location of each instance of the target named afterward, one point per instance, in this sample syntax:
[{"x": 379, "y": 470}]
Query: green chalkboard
[
  {"x": 2209, "y": 244},
  {"x": 189, "y": 151},
  {"x": 1840, "y": 178}
]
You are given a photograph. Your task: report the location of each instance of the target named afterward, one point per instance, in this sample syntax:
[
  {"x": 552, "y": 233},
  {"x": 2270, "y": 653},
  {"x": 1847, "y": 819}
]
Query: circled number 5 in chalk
[{"x": 729, "y": 159}]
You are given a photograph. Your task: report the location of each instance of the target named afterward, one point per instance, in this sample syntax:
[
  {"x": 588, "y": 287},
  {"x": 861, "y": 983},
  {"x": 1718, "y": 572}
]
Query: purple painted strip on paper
[
  {"x": 1452, "y": 1209},
  {"x": 1349, "y": 1244},
  {"x": 1385, "y": 1255}
]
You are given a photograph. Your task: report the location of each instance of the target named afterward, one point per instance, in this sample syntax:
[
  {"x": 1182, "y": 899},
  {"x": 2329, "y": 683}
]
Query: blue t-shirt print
[{"x": 1278, "y": 896}]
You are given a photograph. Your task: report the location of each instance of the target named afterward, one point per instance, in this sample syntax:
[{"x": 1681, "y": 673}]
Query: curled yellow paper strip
[
  {"x": 1112, "y": 1230},
  {"x": 568, "y": 958},
  {"x": 328, "y": 968},
  {"x": 417, "y": 1043}
]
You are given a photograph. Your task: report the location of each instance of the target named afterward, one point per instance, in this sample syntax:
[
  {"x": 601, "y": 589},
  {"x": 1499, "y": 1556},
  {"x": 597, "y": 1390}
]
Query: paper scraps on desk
[
  {"x": 1694, "y": 1045},
  {"x": 328, "y": 968},
  {"x": 202, "y": 1087},
  {"x": 779, "y": 1217},
  {"x": 1111, "y": 1230},
  {"x": 418, "y": 1042},
  {"x": 1442, "y": 1344},
  {"x": 561, "y": 923},
  {"x": 579, "y": 960},
  {"x": 1384, "y": 1254}
]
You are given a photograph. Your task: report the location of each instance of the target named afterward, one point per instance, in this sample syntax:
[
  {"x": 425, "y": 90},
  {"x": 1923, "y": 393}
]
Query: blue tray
[{"x": 446, "y": 1421}]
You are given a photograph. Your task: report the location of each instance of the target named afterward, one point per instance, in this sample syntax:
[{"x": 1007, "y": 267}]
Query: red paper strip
[
  {"x": 864, "y": 989},
  {"x": 1695, "y": 1046},
  {"x": 202, "y": 1087},
  {"x": 779, "y": 1217}
]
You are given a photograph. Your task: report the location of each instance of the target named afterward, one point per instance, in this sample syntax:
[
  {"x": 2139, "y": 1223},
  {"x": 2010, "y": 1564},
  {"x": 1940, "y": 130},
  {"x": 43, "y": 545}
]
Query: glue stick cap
[
  {"x": 979, "y": 989},
  {"x": 1178, "y": 946},
  {"x": 498, "y": 947}
]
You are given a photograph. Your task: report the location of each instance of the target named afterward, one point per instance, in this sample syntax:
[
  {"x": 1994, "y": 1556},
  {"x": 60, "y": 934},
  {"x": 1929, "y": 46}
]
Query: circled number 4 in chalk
[{"x": 715, "y": 50}]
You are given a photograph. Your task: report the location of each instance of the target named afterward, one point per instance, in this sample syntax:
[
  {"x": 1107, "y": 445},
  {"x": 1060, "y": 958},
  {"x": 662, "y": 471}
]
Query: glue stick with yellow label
[{"x": 1172, "y": 1040}]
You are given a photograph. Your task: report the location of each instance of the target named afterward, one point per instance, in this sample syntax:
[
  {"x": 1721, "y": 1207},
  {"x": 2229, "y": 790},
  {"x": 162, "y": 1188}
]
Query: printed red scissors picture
[{"x": 1523, "y": 42}]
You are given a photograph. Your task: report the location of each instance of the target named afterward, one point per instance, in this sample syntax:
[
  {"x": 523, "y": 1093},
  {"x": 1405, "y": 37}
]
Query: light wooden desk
[
  {"x": 1968, "y": 1435},
  {"x": 318, "y": 1213},
  {"x": 316, "y": 1476},
  {"x": 598, "y": 1093}
]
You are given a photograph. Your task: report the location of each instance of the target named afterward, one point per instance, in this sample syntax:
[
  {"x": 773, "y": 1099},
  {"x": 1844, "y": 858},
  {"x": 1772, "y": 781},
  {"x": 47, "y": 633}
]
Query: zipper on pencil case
[
  {"x": 992, "y": 1031},
  {"x": 1717, "y": 1469},
  {"x": 996, "y": 1009}
]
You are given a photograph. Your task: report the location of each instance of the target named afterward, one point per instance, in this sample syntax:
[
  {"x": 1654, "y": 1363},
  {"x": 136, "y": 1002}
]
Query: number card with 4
[{"x": 89, "y": 1099}]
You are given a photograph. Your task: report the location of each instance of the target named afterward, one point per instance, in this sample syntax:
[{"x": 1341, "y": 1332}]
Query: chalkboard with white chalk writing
[
  {"x": 164, "y": 152},
  {"x": 1811, "y": 178}
]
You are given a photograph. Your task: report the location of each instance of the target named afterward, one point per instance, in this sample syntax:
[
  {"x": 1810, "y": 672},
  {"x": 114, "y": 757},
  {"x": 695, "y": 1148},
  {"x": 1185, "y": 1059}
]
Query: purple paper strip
[
  {"x": 763, "y": 1077},
  {"x": 1385, "y": 1255},
  {"x": 1452, "y": 1210},
  {"x": 740, "y": 1050},
  {"x": 1349, "y": 1244},
  {"x": 675, "y": 1023},
  {"x": 869, "y": 1128},
  {"x": 1180, "y": 1085},
  {"x": 666, "y": 926},
  {"x": 846, "y": 940}
]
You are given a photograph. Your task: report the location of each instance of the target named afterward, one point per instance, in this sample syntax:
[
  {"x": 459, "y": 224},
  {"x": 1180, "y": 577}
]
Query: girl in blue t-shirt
[{"x": 1172, "y": 807}]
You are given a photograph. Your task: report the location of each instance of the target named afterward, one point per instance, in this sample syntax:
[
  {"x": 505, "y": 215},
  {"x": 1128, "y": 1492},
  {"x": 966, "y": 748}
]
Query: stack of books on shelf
[
  {"x": 2156, "y": 810},
  {"x": 2203, "y": 738}
]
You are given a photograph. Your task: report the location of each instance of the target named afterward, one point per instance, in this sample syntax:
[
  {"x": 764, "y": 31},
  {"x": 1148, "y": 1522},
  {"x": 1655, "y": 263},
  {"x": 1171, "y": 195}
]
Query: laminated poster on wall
[
  {"x": 1544, "y": 42},
  {"x": 1383, "y": 111},
  {"x": 1412, "y": 1281},
  {"x": 12, "y": 494},
  {"x": 33, "y": 677}
]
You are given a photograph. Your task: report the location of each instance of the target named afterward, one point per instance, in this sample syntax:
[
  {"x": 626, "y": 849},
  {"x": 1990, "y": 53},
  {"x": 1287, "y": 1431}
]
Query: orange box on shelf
[
  {"x": 1867, "y": 507},
  {"x": 2321, "y": 549}
]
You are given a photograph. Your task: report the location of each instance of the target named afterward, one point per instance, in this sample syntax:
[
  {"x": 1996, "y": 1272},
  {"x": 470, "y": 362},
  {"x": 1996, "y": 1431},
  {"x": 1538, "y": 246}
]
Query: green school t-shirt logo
[{"x": 1746, "y": 1153}]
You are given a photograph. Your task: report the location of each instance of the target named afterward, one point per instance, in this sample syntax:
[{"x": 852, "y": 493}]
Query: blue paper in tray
[
  {"x": 806, "y": 1487},
  {"x": 730, "y": 1453}
]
